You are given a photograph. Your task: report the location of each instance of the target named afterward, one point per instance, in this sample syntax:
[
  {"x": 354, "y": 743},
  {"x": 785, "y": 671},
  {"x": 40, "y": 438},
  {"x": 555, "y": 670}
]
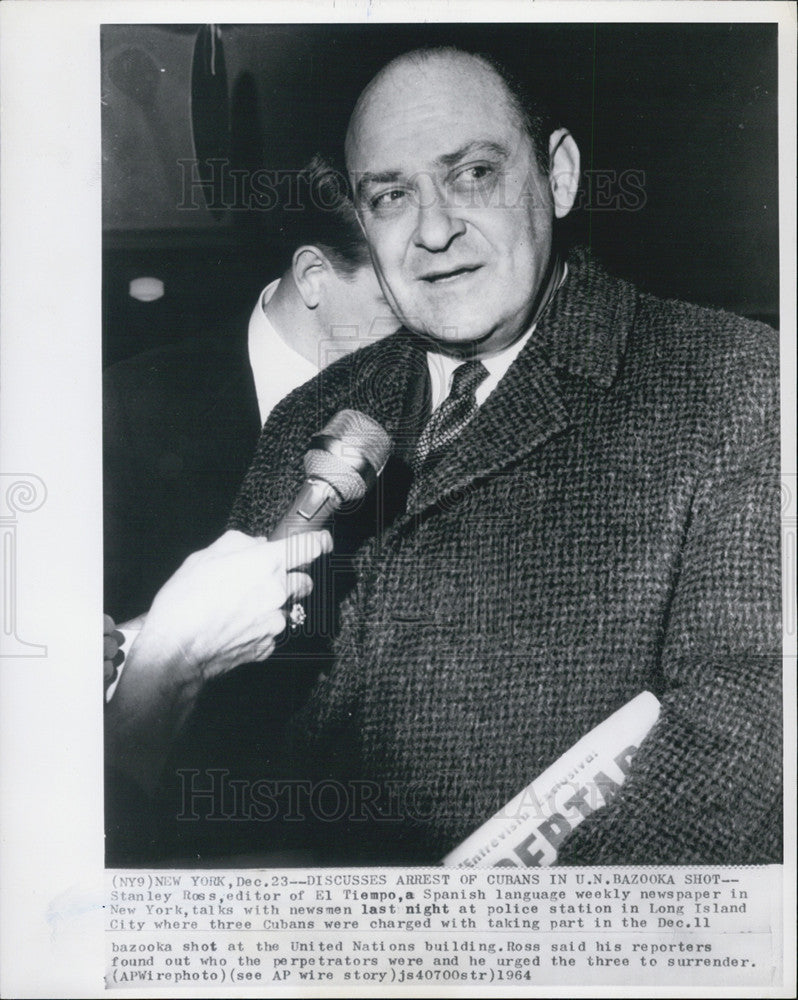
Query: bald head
[{"x": 462, "y": 68}]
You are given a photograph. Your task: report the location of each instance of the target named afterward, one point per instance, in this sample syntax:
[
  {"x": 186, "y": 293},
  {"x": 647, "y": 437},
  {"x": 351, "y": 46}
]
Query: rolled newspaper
[{"x": 527, "y": 832}]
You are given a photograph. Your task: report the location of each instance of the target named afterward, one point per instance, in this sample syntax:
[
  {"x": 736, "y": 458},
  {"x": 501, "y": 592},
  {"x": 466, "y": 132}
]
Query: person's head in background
[{"x": 329, "y": 301}]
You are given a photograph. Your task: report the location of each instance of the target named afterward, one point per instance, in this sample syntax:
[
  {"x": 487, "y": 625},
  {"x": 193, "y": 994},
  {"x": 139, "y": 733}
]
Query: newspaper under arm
[{"x": 527, "y": 832}]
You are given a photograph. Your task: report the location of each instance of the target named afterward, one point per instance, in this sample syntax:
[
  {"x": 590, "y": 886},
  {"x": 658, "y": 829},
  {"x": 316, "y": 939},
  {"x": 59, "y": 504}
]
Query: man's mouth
[{"x": 449, "y": 275}]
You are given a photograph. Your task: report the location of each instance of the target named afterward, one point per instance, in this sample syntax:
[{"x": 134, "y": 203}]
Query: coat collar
[
  {"x": 585, "y": 328},
  {"x": 582, "y": 333}
]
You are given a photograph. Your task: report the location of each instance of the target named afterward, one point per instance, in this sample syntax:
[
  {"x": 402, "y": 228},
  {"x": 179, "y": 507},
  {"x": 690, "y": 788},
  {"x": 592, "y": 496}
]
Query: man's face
[
  {"x": 454, "y": 206},
  {"x": 354, "y": 310}
]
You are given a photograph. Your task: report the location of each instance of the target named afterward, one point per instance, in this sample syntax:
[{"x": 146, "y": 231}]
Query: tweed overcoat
[{"x": 607, "y": 524}]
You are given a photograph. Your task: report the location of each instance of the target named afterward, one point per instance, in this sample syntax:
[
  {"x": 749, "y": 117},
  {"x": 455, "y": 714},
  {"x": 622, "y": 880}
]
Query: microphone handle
[{"x": 311, "y": 510}]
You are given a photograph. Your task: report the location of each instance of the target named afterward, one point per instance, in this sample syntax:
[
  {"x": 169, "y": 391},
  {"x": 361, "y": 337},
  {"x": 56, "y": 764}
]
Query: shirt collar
[
  {"x": 442, "y": 366},
  {"x": 277, "y": 368}
]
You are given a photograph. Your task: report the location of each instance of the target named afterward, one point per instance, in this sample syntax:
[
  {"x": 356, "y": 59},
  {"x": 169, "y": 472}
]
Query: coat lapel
[
  {"x": 523, "y": 412},
  {"x": 527, "y": 408},
  {"x": 390, "y": 383}
]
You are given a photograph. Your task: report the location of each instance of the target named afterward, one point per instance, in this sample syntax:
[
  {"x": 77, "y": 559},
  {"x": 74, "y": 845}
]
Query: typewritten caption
[{"x": 607, "y": 925}]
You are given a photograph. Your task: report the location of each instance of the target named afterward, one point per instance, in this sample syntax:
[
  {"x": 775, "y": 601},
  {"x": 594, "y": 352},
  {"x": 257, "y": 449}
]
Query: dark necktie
[
  {"x": 460, "y": 406},
  {"x": 451, "y": 417}
]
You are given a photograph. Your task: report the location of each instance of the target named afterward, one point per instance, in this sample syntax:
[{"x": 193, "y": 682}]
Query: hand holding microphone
[
  {"x": 223, "y": 607},
  {"x": 226, "y": 604}
]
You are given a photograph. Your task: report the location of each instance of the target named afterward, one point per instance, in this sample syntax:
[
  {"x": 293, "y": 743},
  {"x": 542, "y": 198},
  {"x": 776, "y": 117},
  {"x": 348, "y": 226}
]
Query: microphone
[{"x": 342, "y": 463}]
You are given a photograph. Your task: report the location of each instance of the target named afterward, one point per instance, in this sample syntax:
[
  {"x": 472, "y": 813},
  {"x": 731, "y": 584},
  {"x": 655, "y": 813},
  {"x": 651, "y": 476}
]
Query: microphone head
[{"x": 349, "y": 452}]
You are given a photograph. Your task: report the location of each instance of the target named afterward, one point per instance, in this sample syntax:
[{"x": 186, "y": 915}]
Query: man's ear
[
  {"x": 563, "y": 171},
  {"x": 309, "y": 267}
]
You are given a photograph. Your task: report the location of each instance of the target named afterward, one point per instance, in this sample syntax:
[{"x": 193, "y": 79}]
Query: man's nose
[{"x": 437, "y": 222}]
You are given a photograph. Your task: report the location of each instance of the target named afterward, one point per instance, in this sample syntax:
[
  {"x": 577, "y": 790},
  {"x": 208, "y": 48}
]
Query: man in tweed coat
[{"x": 605, "y": 523}]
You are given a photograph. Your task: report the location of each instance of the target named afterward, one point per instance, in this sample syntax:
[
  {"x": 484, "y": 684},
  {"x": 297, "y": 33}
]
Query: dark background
[{"x": 677, "y": 125}]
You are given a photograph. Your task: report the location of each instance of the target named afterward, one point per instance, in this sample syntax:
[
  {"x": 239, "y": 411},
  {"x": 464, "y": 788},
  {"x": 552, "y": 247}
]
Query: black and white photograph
[
  {"x": 399, "y": 399},
  {"x": 507, "y": 296}
]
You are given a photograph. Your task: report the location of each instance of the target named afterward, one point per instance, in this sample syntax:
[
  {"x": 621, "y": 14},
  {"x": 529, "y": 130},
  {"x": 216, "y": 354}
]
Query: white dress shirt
[
  {"x": 276, "y": 368},
  {"x": 441, "y": 368}
]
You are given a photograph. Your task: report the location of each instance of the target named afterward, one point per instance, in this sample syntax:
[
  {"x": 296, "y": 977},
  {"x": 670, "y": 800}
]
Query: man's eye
[
  {"x": 474, "y": 173},
  {"x": 386, "y": 199}
]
